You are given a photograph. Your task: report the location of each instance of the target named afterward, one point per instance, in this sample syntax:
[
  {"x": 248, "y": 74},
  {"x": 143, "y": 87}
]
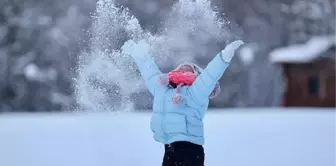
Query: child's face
[{"x": 187, "y": 68}]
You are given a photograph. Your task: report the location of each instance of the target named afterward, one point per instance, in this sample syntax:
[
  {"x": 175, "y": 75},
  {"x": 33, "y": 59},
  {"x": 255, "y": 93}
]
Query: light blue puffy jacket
[{"x": 181, "y": 122}]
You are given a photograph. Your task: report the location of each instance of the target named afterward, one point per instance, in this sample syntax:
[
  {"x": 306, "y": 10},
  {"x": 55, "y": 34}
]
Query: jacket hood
[{"x": 198, "y": 70}]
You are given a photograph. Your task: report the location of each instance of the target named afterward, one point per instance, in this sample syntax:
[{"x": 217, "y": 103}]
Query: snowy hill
[{"x": 237, "y": 137}]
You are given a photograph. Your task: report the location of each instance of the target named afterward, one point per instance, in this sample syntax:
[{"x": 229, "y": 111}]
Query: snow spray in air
[{"x": 107, "y": 77}]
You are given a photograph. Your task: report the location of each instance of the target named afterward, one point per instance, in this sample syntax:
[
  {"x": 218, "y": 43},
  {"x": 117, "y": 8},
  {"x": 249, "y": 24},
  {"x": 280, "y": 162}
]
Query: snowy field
[{"x": 268, "y": 137}]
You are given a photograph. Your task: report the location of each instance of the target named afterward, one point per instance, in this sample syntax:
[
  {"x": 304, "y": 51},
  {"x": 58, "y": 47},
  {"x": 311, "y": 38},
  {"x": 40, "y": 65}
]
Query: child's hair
[{"x": 172, "y": 84}]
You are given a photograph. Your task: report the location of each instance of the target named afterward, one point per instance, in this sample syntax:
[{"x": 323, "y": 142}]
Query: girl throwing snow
[{"x": 181, "y": 100}]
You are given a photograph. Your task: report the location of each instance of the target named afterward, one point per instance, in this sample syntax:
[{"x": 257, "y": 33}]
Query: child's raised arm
[
  {"x": 205, "y": 83},
  {"x": 148, "y": 69}
]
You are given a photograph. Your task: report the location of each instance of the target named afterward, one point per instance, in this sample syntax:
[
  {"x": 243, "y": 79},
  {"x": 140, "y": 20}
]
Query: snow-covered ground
[{"x": 236, "y": 137}]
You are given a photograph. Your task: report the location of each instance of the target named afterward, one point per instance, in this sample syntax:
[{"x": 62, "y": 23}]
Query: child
[{"x": 178, "y": 110}]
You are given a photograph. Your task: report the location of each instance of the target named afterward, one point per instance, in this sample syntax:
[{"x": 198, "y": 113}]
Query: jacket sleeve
[
  {"x": 149, "y": 71},
  {"x": 205, "y": 83}
]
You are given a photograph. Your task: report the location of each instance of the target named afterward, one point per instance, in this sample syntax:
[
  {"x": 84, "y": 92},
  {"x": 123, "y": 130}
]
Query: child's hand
[
  {"x": 136, "y": 49},
  {"x": 229, "y": 51},
  {"x": 143, "y": 47}
]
